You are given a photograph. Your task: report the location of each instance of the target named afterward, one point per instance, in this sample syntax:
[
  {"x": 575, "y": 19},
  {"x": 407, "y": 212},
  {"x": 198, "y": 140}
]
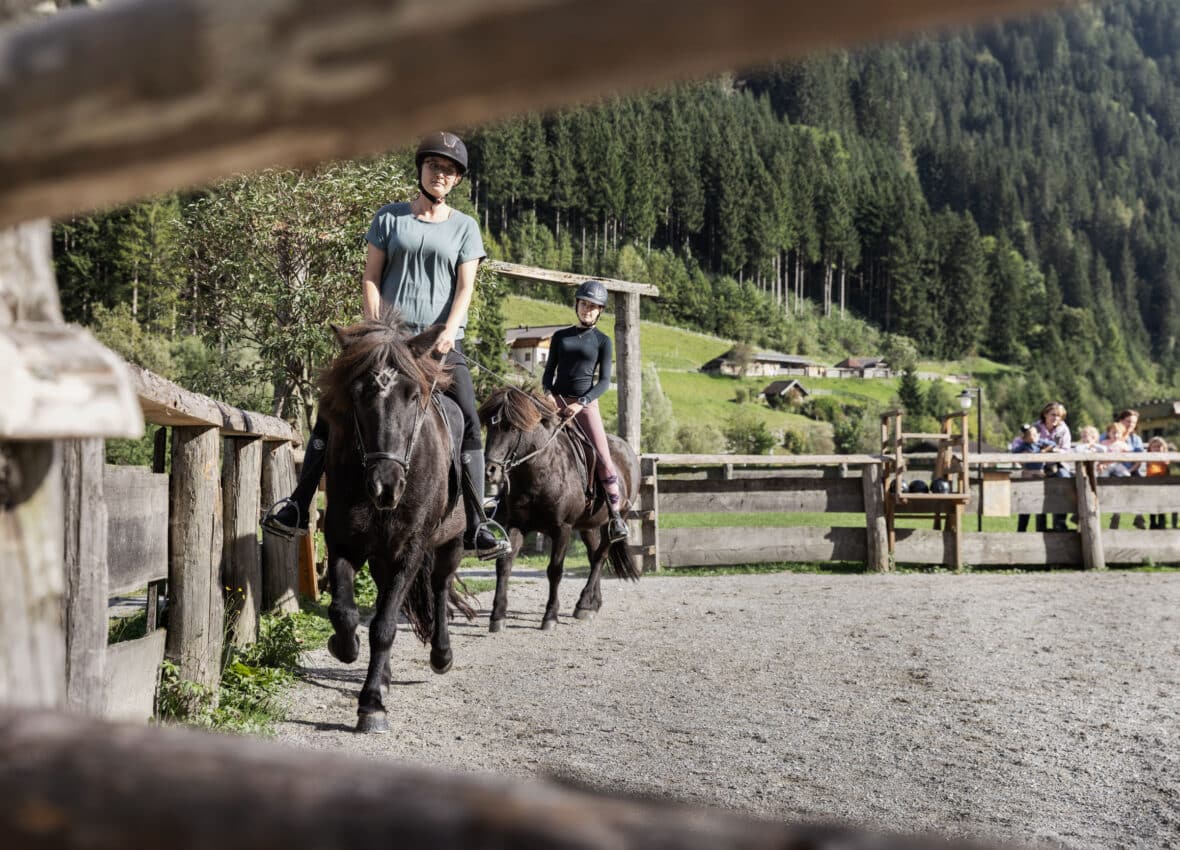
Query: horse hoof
[
  {"x": 336, "y": 652},
  {"x": 548, "y": 625},
  {"x": 495, "y": 625},
  {"x": 586, "y": 614},
  {"x": 443, "y": 665},
  {"x": 374, "y": 723}
]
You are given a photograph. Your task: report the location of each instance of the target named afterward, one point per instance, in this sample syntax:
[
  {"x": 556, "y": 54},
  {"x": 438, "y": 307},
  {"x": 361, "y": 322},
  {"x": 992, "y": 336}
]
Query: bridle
[
  {"x": 385, "y": 380},
  {"x": 511, "y": 461}
]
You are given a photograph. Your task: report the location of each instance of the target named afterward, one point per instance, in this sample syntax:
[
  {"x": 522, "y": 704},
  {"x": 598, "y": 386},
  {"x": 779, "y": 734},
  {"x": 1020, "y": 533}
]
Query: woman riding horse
[{"x": 422, "y": 259}]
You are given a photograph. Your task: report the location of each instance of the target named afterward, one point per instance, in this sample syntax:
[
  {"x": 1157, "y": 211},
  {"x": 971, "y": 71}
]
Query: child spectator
[
  {"x": 1051, "y": 426},
  {"x": 1115, "y": 441},
  {"x": 1157, "y": 469},
  {"x": 1030, "y": 441}
]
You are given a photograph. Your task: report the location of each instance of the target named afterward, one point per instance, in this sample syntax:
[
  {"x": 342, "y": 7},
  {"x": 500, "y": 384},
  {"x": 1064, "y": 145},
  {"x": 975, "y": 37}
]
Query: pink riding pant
[{"x": 590, "y": 421}]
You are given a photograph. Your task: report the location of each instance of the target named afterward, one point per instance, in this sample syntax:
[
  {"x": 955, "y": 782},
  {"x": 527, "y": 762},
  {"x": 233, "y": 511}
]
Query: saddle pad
[{"x": 453, "y": 417}]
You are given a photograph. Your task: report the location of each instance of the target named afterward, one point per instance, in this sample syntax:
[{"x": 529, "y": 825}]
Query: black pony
[
  {"x": 543, "y": 471},
  {"x": 393, "y": 497}
]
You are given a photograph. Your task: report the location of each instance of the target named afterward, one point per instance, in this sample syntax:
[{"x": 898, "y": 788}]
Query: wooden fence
[
  {"x": 191, "y": 533},
  {"x": 851, "y": 484}
]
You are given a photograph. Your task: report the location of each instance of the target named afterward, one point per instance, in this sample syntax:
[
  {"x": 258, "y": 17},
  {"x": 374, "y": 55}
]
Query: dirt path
[{"x": 1043, "y": 708}]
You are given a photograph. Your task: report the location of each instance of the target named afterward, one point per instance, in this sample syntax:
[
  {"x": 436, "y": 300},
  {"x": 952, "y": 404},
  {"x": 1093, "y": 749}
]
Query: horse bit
[{"x": 386, "y": 378}]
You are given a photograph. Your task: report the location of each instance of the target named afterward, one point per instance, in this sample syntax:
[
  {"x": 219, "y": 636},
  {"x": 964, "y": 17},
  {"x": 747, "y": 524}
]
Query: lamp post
[{"x": 965, "y": 403}]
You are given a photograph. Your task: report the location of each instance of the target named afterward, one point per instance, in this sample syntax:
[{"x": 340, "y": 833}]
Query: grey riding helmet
[
  {"x": 442, "y": 144},
  {"x": 593, "y": 291}
]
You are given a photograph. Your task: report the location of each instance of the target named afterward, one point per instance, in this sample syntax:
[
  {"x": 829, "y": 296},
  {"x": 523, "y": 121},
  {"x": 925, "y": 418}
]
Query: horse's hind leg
[
  {"x": 597, "y": 546},
  {"x": 344, "y": 645},
  {"x": 561, "y": 543},
  {"x": 392, "y": 583},
  {"x": 503, "y": 571},
  {"x": 446, "y": 563}
]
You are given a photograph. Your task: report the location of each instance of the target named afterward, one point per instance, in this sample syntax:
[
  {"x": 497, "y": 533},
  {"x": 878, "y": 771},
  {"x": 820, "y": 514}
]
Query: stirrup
[
  {"x": 501, "y": 547},
  {"x": 274, "y": 525},
  {"x": 617, "y": 530}
]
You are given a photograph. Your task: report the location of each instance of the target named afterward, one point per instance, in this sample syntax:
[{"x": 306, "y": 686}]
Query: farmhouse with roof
[
  {"x": 861, "y": 367},
  {"x": 528, "y": 348},
  {"x": 764, "y": 364}
]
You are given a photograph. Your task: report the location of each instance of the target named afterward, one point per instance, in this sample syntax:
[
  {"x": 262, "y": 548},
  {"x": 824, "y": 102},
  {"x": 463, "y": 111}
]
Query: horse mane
[
  {"x": 524, "y": 410},
  {"x": 375, "y": 344}
]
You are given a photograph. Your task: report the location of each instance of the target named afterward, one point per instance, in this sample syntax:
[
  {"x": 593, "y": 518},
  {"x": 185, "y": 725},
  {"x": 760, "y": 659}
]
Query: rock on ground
[{"x": 1042, "y": 708}]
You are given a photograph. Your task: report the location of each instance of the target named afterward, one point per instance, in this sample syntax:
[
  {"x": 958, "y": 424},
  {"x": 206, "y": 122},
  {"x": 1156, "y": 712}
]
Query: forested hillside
[{"x": 1011, "y": 192}]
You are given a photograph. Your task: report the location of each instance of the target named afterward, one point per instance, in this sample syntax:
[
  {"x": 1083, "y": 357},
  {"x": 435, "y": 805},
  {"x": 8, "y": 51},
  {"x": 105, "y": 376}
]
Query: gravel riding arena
[{"x": 1040, "y": 708}]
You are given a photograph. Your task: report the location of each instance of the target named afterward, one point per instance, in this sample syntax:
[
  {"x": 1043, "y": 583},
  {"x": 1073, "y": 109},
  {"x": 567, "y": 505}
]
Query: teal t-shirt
[{"x": 422, "y": 259}]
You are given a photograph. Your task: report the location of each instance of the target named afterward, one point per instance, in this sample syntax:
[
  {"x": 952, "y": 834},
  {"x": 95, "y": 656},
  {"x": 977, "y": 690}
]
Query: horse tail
[
  {"x": 622, "y": 561},
  {"x": 460, "y": 598},
  {"x": 419, "y": 604}
]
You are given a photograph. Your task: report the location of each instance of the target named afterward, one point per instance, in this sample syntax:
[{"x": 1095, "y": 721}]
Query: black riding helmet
[
  {"x": 593, "y": 291},
  {"x": 442, "y": 144}
]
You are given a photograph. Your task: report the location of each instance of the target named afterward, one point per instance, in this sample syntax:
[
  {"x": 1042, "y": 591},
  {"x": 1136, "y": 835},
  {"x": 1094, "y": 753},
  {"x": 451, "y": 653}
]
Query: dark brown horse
[
  {"x": 393, "y": 499},
  {"x": 544, "y": 478}
]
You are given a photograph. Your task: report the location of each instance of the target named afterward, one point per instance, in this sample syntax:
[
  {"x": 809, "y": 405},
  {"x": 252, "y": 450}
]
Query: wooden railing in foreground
[
  {"x": 198, "y": 790},
  {"x": 720, "y": 484},
  {"x": 194, "y": 531}
]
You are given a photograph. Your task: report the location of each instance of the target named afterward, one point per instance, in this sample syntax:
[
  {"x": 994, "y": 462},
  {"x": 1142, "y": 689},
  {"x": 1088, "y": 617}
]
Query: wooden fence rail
[
  {"x": 851, "y": 484},
  {"x": 193, "y": 531}
]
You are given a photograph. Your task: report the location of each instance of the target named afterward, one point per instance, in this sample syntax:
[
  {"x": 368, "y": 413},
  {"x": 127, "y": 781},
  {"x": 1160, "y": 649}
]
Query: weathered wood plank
[
  {"x": 241, "y": 479},
  {"x": 685, "y": 547},
  {"x": 133, "y": 671},
  {"x": 669, "y": 459},
  {"x": 32, "y": 635},
  {"x": 627, "y": 366},
  {"x": 280, "y": 558},
  {"x": 1139, "y": 495},
  {"x": 1131, "y": 546},
  {"x": 137, "y": 539},
  {"x": 165, "y": 403},
  {"x": 783, "y": 493},
  {"x": 536, "y": 275},
  {"x": 922, "y": 546},
  {"x": 196, "y": 600},
  {"x": 203, "y": 790},
  {"x": 96, "y": 111},
  {"x": 1044, "y": 495},
  {"x": 84, "y": 518}
]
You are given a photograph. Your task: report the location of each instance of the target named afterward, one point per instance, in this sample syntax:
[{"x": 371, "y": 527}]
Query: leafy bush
[
  {"x": 699, "y": 439},
  {"x": 797, "y": 442},
  {"x": 747, "y": 434}
]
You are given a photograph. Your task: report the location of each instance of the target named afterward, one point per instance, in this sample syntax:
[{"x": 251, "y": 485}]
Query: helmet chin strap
[{"x": 434, "y": 202}]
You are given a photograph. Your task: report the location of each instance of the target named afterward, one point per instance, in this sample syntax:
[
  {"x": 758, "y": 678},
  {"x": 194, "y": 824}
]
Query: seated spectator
[
  {"x": 1157, "y": 469},
  {"x": 1115, "y": 440}
]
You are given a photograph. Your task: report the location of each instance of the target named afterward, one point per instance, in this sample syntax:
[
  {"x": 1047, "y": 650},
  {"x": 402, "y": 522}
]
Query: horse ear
[
  {"x": 339, "y": 333},
  {"x": 424, "y": 343}
]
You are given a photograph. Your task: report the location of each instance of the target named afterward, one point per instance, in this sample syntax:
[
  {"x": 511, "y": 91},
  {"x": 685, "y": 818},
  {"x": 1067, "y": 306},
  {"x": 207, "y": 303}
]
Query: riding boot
[
  {"x": 290, "y": 516},
  {"x": 486, "y": 537},
  {"x": 616, "y": 527}
]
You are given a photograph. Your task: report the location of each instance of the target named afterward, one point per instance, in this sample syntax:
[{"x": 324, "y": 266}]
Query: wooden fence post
[
  {"x": 280, "y": 558},
  {"x": 196, "y": 599},
  {"x": 650, "y": 508},
  {"x": 876, "y": 528},
  {"x": 1090, "y": 516},
  {"x": 627, "y": 365},
  {"x": 84, "y": 515},
  {"x": 241, "y": 476}
]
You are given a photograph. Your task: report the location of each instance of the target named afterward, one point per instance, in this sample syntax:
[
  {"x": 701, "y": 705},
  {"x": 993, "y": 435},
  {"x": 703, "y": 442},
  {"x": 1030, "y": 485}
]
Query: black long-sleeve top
[{"x": 574, "y": 355}]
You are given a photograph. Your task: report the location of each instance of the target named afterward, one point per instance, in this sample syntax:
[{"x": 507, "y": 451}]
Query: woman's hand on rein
[
  {"x": 446, "y": 341},
  {"x": 571, "y": 410}
]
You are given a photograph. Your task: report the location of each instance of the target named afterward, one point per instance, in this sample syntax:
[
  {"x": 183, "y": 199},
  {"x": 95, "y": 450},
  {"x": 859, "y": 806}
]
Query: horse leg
[
  {"x": 392, "y": 583},
  {"x": 503, "y": 571},
  {"x": 344, "y": 645},
  {"x": 597, "y": 545},
  {"x": 561, "y": 542},
  {"x": 446, "y": 563}
]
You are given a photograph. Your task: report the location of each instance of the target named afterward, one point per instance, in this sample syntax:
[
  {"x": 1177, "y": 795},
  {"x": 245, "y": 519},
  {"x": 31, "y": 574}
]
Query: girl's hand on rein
[
  {"x": 446, "y": 341},
  {"x": 571, "y": 410}
]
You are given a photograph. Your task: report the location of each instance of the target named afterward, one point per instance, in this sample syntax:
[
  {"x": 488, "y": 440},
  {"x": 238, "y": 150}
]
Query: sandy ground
[{"x": 1038, "y": 708}]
